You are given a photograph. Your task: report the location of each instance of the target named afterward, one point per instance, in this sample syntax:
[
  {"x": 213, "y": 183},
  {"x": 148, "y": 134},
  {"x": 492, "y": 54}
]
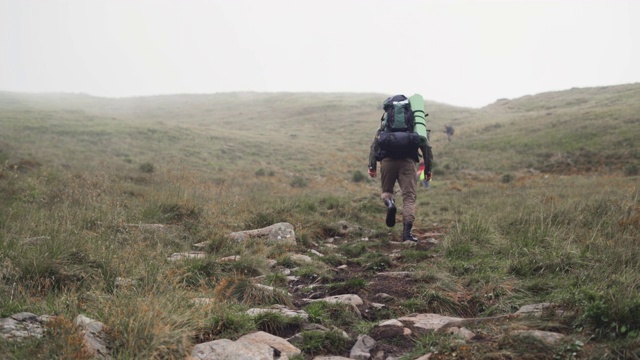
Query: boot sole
[{"x": 391, "y": 216}]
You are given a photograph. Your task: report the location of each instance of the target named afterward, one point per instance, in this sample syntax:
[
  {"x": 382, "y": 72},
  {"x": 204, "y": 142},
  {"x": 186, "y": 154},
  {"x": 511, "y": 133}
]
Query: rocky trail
[{"x": 448, "y": 324}]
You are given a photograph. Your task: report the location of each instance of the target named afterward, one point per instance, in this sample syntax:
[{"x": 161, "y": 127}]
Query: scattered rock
[
  {"x": 392, "y": 322},
  {"x": 232, "y": 258},
  {"x": 256, "y": 346},
  {"x": 283, "y": 347},
  {"x": 203, "y": 301},
  {"x": 533, "y": 309},
  {"x": 317, "y": 253},
  {"x": 227, "y": 349},
  {"x": 424, "y": 357},
  {"x": 270, "y": 289},
  {"x": 545, "y": 336},
  {"x": 187, "y": 255},
  {"x": 389, "y": 329},
  {"x": 279, "y": 309},
  {"x": 349, "y": 299},
  {"x": 272, "y": 263},
  {"x": 299, "y": 258},
  {"x": 94, "y": 336},
  {"x": 279, "y": 233},
  {"x": 429, "y": 321},
  {"x": 20, "y": 326},
  {"x": 200, "y": 245},
  {"x": 462, "y": 333},
  {"x": 362, "y": 348},
  {"x": 430, "y": 242}
]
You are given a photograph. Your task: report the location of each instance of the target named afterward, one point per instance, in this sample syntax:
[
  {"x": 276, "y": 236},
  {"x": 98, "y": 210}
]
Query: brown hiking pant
[{"x": 404, "y": 172}]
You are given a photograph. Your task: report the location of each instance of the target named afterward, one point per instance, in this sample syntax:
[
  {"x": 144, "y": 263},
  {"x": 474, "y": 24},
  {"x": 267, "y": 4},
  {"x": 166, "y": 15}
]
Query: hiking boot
[
  {"x": 391, "y": 212},
  {"x": 406, "y": 233}
]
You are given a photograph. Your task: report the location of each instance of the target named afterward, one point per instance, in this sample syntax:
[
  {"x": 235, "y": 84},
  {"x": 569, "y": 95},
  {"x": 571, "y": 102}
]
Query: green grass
[{"x": 82, "y": 173}]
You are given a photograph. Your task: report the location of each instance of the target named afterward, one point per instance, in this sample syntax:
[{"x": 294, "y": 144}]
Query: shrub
[
  {"x": 199, "y": 273},
  {"x": 227, "y": 323},
  {"x": 358, "y": 176},
  {"x": 331, "y": 314},
  {"x": 244, "y": 291},
  {"x": 507, "y": 178},
  {"x": 151, "y": 325},
  {"x": 350, "y": 286},
  {"x": 631, "y": 170},
  {"x": 315, "y": 271},
  {"x": 351, "y": 250},
  {"x": 334, "y": 260},
  {"x": 147, "y": 167},
  {"x": 320, "y": 343},
  {"x": 277, "y": 324},
  {"x": 299, "y": 182},
  {"x": 264, "y": 218},
  {"x": 376, "y": 262},
  {"x": 260, "y": 172}
]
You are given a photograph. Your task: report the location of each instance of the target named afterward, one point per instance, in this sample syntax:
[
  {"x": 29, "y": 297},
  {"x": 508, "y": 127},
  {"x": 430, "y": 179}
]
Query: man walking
[
  {"x": 398, "y": 158},
  {"x": 449, "y": 130}
]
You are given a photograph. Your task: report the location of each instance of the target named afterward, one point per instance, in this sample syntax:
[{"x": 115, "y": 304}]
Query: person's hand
[
  {"x": 372, "y": 173},
  {"x": 427, "y": 176}
]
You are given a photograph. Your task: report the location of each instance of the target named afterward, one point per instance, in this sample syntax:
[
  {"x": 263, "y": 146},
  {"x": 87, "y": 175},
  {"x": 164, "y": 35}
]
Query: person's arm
[
  {"x": 427, "y": 156},
  {"x": 372, "y": 156}
]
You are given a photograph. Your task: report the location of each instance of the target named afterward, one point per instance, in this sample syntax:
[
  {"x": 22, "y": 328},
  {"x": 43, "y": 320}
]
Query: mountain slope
[{"x": 574, "y": 130}]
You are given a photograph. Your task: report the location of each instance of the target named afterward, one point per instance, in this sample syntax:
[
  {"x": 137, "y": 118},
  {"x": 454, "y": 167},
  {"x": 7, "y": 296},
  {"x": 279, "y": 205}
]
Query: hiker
[
  {"x": 398, "y": 154},
  {"x": 449, "y": 130}
]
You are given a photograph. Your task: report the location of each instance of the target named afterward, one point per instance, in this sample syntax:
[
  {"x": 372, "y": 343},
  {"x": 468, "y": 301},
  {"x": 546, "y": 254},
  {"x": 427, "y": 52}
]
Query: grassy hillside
[
  {"x": 536, "y": 199},
  {"x": 578, "y": 130},
  {"x": 575, "y": 130}
]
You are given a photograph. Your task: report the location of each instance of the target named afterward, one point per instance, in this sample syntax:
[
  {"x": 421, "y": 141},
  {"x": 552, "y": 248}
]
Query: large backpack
[
  {"x": 397, "y": 114},
  {"x": 397, "y": 138}
]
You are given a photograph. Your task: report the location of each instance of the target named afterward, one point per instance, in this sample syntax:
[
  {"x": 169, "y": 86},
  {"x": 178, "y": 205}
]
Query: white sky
[{"x": 467, "y": 53}]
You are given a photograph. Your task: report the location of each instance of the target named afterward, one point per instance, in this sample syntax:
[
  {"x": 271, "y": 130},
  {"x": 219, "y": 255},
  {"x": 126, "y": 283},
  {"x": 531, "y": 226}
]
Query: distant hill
[
  {"x": 577, "y": 130},
  {"x": 590, "y": 129}
]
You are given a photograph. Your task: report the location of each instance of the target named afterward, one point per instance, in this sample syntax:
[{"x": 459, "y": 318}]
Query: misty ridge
[
  {"x": 139, "y": 213},
  {"x": 591, "y": 124}
]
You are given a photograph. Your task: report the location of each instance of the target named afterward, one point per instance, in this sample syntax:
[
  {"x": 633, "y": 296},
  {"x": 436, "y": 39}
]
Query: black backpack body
[{"x": 397, "y": 138}]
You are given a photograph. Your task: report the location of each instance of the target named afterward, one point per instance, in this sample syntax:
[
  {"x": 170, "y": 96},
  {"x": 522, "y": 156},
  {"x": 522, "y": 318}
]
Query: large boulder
[
  {"x": 21, "y": 325},
  {"x": 255, "y": 346}
]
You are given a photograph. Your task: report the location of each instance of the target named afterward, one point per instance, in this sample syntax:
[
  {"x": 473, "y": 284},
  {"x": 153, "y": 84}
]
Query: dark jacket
[{"x": 376, "y": 154}]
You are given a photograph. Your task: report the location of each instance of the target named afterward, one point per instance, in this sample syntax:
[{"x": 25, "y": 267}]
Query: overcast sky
[{"x": 467, "y": 53}]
